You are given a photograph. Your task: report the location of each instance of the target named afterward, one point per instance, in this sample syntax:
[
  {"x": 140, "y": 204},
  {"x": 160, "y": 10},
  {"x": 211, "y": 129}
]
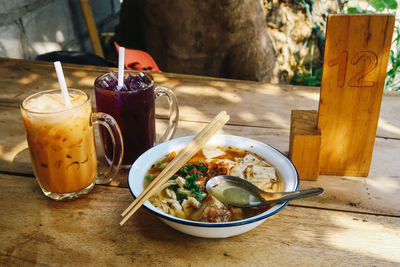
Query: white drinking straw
[
  {"x": 63, "y": 85},
  {"x": 121, "y": 61}
]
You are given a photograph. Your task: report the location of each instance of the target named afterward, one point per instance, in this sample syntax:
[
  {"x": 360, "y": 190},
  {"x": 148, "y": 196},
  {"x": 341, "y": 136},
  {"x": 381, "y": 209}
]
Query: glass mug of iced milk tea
[
  {"x": 61, "y": 143},
  {"x": 133, "y": 107}
]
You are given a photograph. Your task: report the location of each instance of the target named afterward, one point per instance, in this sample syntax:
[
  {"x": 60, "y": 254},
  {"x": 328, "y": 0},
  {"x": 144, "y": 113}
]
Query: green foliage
[
  {"x": 378, "y": 6},
  {"x": 311, "y": 77},
  {"x": 392, "y": 82},
  {"x": 306, "y": 76},
  {"x": 381, "y": 5}
]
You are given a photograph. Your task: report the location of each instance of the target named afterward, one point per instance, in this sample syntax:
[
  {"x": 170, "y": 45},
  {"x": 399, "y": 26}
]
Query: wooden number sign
[{"x": 356, "y": 55}]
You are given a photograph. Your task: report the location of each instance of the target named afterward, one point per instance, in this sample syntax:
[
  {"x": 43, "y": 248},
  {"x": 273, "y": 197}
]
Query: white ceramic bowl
[{"x": 284, "y": 166}]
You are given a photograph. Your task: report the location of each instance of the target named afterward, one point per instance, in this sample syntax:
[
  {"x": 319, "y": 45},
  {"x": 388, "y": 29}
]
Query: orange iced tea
[{"x": 61, "y": 141}]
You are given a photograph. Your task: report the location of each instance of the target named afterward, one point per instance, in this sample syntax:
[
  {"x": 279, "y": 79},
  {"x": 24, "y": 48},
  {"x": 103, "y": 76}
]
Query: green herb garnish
[
  {"x": 183, "y": 172},
  {"x": 149, "y": 177},
  {"x": 198, "y": 195},
  {"x": 191, "y": 185},
  {"x": 190, "y": 182},
  {"x": 174, "y": 187},
  {"x": 180, "y": 197},
  {"x": 173, "y": 177},
  {"x": 189, "y": 167},
  {"x": 202, "y": 168}
]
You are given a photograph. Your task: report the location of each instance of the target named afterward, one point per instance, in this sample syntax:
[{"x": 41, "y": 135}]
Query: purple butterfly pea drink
[{"x": 133, "y": 107}]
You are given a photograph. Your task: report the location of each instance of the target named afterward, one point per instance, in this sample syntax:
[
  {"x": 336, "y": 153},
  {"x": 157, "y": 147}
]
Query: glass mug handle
[
  {"x": 118, "y": 146},
  {"x": 173, "y": 111}
]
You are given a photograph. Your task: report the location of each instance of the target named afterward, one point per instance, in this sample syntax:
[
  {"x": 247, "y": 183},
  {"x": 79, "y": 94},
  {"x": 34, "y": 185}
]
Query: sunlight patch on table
[
  {"x": 270, "y": 89},
  {"x": 13, "y": 152},
  {"x": 185, "y": 128},
  {"x": 80, "y": 73},
  {"x": 314, "y": 96},
  {"x": 161, "y": 126},
  {"x": 183, "y": 111},
  {"x": 29, "y": 79},
  {"x": 386, "y": 185},
  {"x": 247, "y": 116},
  {"x": 56, "y": 85},
  {"x": 87, "y": 81},
  {"x": 387, "y": 126},
  {"x": 159, "y": 78},
  {"x": 169, "y": 83},
  {"x": 209, "y": 92},
  {"x": 360, "y": 235},
  {"x": 162, "y": 112},
  {"x": 218, "y": 83},
  {"x": 277, "y": 120}
]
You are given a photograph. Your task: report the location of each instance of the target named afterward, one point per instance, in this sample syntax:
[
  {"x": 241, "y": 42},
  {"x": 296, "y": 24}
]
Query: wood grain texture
[
  {"x": 305, "y": 143},
  {"x": 356, "y": 221},
  {"x": 356, "y": 55},
  {"x": 376, "y": 194},
  {"x": 38, "y": 231},
  {"x": 266, "y": 120},
  {"x": 269, "y": 108}
]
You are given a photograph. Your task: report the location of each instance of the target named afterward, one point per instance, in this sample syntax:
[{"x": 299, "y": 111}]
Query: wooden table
[{"x": 356, "y": 222}]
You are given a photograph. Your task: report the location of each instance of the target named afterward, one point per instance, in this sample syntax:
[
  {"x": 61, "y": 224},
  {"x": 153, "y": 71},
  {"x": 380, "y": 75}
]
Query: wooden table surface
[{"x": 356, "y": 221}]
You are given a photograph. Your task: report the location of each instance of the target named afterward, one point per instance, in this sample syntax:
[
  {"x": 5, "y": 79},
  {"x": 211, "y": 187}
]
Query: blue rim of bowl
[{"x": 224, "y": 224}]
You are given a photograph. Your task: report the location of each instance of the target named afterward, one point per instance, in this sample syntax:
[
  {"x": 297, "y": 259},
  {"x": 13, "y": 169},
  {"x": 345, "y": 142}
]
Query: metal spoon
[{"x": 238, "y": 192}]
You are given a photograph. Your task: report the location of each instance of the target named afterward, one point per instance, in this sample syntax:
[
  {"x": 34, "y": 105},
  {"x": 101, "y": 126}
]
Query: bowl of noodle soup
[{"x": 178, "y": 204}]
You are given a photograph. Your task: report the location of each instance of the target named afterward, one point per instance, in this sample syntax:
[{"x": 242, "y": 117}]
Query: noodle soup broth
[{"x": 184, "y": 194}]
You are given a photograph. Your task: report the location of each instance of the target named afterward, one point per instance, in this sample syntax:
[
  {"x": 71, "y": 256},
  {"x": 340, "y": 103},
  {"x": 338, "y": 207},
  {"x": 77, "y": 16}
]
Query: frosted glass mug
[{"x": 62, "y": 146}]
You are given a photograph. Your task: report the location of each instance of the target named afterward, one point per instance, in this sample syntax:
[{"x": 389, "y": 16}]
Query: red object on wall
[{"x": 139, "y": 60}]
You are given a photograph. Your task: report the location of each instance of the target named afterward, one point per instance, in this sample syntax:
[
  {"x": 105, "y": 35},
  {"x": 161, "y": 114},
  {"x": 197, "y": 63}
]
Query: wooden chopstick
[
  {"x": 178, "y": 157},
  {"x": 178, "y": 162},
  {"x": 183, "y": 156}
]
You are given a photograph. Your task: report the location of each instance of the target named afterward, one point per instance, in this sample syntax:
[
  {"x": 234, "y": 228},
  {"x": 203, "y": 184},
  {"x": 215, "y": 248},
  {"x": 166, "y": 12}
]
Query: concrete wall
[{"x": 32, "y": 27}]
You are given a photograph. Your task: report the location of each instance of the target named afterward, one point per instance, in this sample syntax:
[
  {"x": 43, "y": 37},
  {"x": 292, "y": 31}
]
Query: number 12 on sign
[{"x": 356, "y": 80}]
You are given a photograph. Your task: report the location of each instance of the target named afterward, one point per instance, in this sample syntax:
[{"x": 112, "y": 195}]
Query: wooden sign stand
[
  {"x": 305, "y": 143},
  {"x": 355, "y": 61}
]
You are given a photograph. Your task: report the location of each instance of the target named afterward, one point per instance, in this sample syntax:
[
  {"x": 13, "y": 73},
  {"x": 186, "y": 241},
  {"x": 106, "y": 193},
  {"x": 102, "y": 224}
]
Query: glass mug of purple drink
[{"x": 133, "y": 107}]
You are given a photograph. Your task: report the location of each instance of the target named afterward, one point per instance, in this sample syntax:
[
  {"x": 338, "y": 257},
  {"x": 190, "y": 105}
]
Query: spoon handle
[{"x": 294, "y": 195}]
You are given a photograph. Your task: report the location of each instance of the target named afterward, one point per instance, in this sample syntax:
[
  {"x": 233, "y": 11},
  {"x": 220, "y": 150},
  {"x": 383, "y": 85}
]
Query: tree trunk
[{"x": 226, "y": 38}]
